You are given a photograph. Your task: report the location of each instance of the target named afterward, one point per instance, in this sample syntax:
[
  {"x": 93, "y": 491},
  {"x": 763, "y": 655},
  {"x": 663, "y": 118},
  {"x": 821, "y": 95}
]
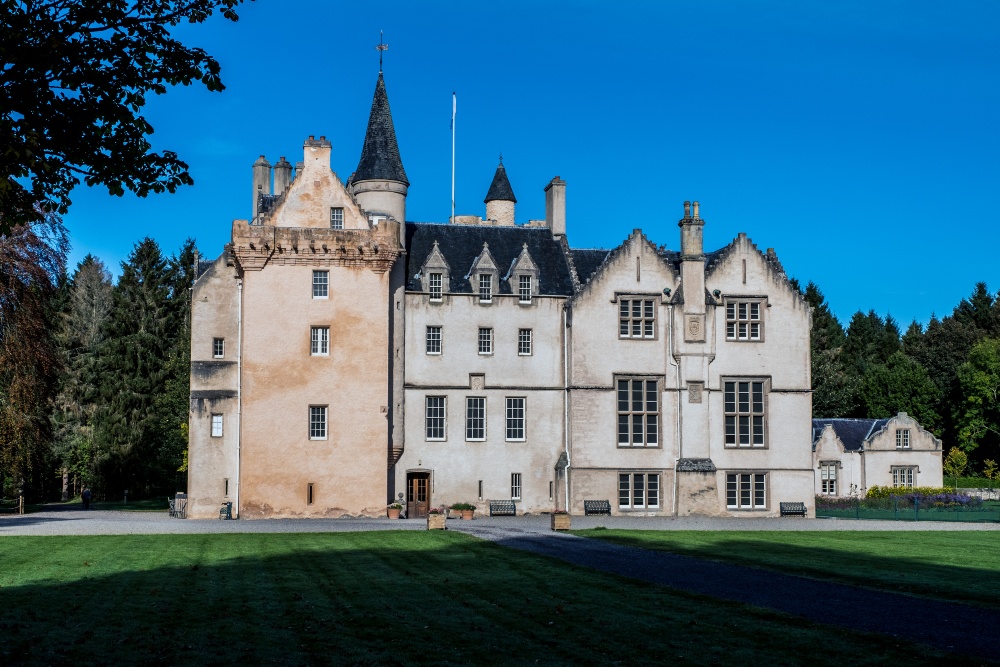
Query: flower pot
[
  {"x": 436, "y": 521},
  {"x": 393, "y": 514},
  {"x": 560, "y": 521},
  {"x": 467, "y": 515}
]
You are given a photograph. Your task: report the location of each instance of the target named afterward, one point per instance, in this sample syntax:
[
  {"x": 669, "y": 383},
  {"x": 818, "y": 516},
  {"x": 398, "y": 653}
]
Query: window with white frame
[
  {"x": 317, "y": 422},
  {"x": 216, "y": 426},
  {"x": 320, "y": 342},
  {"x": 828, "y": 478},
  {"x": 746, "y": 491},
  {"x": 485, "y": 340},
  {"x": 434, "y": 417},
  {"x": 638, "y": 412},
  {"x": 638, "y": 490},
  {"x": 434, "y": 340},
  {"x": 434, "y": 286},
  {"x": 515, "y": 486},
  {"x": 636, "y": 318},
  {"x": 903, "y": 477},
  {"x": 336, "y": 218},
  {"x": 485, "y": 287},
  {"x": 515, "y": 418},
  {"x": 524, "y": 342},
  {"x": 744, "y": 406},
  {"x": 475, "y": 417},
  {"x": 524, "y": 289},
  {"x": 903, "y": 438},
  {"x": 743, "y": 320},
  {"x": 321, "y": 284},
  {"x": 218, "y": 348}
]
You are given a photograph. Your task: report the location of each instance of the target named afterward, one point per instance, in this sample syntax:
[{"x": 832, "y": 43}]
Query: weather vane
[{"x": 380, "y": 48}]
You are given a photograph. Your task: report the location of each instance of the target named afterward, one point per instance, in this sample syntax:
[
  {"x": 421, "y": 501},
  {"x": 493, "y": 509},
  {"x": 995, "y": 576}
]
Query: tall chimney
[
  {"x": 261, "y": 182},
  {"x": 555, "y": 206},
  {"x": 282, "y": 175},
  {"x": 692, "y": 260}
]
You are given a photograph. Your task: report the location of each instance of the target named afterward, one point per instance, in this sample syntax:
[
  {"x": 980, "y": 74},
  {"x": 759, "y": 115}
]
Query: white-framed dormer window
[
  {"x": 434, "y": 286},
  {"x": 743, "y": 320},
  {"x": 434, "y": 340},
  {"x": 636, "y": 318},
  {"x": 320, "y": 342},
  {"x": 485, "y": 288},
  {"x": 515, "y": 486},
  {"x": 321, "y": 284},
  {"x": 524, "y": 342},
  {"x": 524, "y": 289},
  {"x": 216, "y": 425},
  {"x": 485, "y": 340},
  {"x": 903, "y": 438},
  {"x": 475, "y": 418},
  {"x": 218, "y": 348},
  {"x": 337, "y": 217},
  {"x": 317, "y": 422}
]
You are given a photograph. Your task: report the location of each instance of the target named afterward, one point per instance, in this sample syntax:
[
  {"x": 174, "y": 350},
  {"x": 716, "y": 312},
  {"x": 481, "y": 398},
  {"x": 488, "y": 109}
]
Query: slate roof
[
  {"x": 380, "y": 155},
  {"x": 462, "y": 244},
  {"x": 695, "y": 465},
  {"x": 587, "y": 261},
  {"x": 500, "y": 189},
  {"x": 852, "y": 432}
]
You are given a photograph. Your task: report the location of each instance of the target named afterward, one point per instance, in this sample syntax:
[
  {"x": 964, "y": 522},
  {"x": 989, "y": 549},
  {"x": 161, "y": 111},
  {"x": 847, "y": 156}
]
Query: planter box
[
  {"x": 560, "y": 521},
  {"x": 467, "y": 514},
  {"x": 393, "y": 514},
  {"x": 436, "y": 521}
]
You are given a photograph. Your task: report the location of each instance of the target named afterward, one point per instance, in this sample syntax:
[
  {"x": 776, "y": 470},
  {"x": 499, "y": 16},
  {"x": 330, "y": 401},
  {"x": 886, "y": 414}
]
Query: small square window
[
  {"x": 218, "y": 348},
  {"x": 485, "y": 288},
  {"x": 636, "y": 318},
  {"x": 217, "y": 426},
  {"x": 524, "y": 342},
  {"x": 320, "y": 342},
  {"x": 321, "y": 284},
  {"x": 336, "y": 218},
  {"x": 433, "y": 340},
  {"x": 524, "y": 289},
  {"x": 485, "y": 340},
  {"x": 743, "y": 321},
  {"x": 317, "y": 422}
]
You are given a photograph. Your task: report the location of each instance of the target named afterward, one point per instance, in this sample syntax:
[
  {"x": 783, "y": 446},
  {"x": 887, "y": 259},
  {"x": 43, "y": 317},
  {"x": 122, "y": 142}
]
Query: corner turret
[{"x": 500, "y": 198}]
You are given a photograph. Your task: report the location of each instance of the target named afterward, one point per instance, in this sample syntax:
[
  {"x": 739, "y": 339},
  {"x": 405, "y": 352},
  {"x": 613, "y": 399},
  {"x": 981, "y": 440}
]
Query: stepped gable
[
  {"x": 852, "y": 432},
  {"x": 500, "y": 189},
  {"x": 462, "y": 244},
  {"x": 586, "y": 261},
  {"x": 380, "y": 160}
]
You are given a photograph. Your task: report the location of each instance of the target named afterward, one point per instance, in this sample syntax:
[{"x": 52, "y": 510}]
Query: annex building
[{"x": 342, "y": 357}]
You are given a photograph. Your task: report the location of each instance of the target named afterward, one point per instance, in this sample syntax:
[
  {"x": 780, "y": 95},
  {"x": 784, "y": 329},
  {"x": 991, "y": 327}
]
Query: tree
[
  {"x": 900, "y": 385},
  {"x": 955, "y": 463},
  {"x": 978, "y": 420},
  {"x": 833, "y": 389},
  {"x": 75, "y": 77},
  {"x": 990, "y": 470}
]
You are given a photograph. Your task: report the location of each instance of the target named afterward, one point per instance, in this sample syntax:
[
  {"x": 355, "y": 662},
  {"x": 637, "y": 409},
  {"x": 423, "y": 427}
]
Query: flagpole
[{"x": 454, "y": 107}]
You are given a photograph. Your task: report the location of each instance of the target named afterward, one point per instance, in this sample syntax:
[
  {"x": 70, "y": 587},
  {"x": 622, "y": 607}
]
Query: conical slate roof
[
  {"x": 500, "y": 189},
  {"x": 380, "y": 155}
]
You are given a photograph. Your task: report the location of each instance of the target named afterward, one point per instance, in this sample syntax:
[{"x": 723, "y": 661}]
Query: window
[
  {"x": 515, "y": 419},
  {"x": 903, "y": 477},
  {"x": 321, "y": 284},
  {"x": 903, "y": 438},
  {"x": 524, "y": 289},
  {"x": 480, "y": 489},
  {"x": 336, "y": 218},
  {"x": 515, "y": 486},
  {"x": 218, "y": 348},
  {"x": 744, "y": 406},
  {"x": 433, "y": 340},
  {"x": 317, "y": 422},
  {"x": 743, "y": 320},
  {"x": 485, "y": 340},
  {"x": 746, "y": 491},
  {"x": 434, "y": 285},
  {"x": 320, "y": 345},
  {"x": 638, "y": 413},
  {"x": 217, "y": 426},
  {"x": 434, "y": 417},
  {"x": 636, "y": 318},
  {"x": 475, "y": 418},
  {"x": 828, "y": 479},
  {"x": 524, "y": 342},
  {"x": 638, "y": 490},
  {"x": 309, "y": 494},
  {"x": 485, "y": 288}
]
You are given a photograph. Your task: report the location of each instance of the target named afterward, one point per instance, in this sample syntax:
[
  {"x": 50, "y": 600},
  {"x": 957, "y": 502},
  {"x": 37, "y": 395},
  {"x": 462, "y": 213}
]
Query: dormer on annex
[
  {"x": 484, "y": 276},
  {"x": 435, "y": 275},
  {"x": 523, "y": 277}
]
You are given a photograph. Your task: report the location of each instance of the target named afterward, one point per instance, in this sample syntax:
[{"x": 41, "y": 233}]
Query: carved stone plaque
[
  {"x": 695, "y": 390},
  {"x": 477, "y": 382},
  {"x": 694, "y": 328}
]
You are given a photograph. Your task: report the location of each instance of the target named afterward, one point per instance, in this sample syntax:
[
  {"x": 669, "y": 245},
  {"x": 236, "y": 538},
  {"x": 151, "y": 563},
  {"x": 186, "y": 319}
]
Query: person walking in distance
[{"x": 86, "y": 498}]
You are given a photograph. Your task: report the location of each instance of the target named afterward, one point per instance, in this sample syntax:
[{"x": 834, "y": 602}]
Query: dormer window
[
  {"x": 524, "y": 289},
  {"x": 434, "y": 286},
  {"x": 485, "y": 288},
  {"x": 337, "y": 218}
]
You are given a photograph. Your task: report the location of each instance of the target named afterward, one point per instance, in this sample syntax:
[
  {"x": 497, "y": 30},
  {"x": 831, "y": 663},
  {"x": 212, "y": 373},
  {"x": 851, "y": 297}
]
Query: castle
[{"x": 343, "y": 358}]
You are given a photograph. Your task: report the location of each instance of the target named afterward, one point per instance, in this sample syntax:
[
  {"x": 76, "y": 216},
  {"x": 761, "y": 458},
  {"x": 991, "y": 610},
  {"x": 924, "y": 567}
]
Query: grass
[
  {"x": 953, "y": 566},
  {"x": 389, "y": 598}
]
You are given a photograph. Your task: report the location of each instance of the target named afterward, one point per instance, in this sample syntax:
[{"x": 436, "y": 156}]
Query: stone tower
[{"x": 500, "y": 199}]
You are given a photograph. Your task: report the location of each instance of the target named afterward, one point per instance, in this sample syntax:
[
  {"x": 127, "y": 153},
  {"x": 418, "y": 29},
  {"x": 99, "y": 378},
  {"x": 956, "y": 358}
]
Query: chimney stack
[
  {"x": 282, "y": 175},
  {"x": 555, "y": 207},
  {"x": 261, "y": 182},
  {"x": 692, "y": 227}
]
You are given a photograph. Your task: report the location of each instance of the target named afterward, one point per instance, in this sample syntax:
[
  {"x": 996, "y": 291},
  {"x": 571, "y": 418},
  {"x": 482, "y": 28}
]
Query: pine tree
[
  {"x": 900, "y": 385},
  {"x": 832, "y": 388}
]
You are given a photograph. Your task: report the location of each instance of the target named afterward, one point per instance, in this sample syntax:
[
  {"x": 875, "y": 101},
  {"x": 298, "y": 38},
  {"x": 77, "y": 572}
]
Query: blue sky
[{"x": 859, "y": 139}]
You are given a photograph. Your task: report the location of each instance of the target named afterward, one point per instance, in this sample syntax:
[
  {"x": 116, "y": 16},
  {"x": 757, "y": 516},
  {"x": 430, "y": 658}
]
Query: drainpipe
[
  {"x": 565, "y": 338},
  {"x": 677, "y": 395},
  {"x": 239, "y": 387}
]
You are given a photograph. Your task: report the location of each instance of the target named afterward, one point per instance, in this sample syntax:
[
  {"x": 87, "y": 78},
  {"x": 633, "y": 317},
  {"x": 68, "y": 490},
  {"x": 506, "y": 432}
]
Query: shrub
[{"x": 890, "y": 491}]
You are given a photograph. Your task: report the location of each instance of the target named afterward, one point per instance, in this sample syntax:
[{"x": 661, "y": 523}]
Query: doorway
[{"x": 418, "y": 494}]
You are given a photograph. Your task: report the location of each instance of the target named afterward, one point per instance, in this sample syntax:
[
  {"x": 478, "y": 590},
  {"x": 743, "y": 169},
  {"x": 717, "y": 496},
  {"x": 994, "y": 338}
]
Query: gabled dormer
[
  {"x": 523, "y": 277},
  {"x": 484, "y": 276},
  {"x": 435, "y": 275}
]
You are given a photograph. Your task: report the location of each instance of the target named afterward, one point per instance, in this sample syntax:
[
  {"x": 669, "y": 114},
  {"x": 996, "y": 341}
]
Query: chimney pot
[
  {"x": 687, "y": 209},
  {"x": 312, "y": 137},
  {"x": 696, "y": 209}
]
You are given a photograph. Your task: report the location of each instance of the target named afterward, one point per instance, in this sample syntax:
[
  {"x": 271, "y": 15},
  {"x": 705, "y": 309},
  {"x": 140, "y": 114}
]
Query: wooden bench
[
  {"x": 591, "y": 507},
  {"x": 792, "y": 509},
  {"x": 502, "y": 508}
]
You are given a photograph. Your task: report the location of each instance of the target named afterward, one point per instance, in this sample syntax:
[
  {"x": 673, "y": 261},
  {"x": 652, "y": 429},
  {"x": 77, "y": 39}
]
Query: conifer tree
[{"x": 833, "y": 390}]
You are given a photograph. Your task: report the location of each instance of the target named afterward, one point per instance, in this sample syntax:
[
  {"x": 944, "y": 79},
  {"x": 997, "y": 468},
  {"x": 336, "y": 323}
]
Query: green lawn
[
  {"x": 375, "y": 598},
  {"x": 955, "y": 566}
]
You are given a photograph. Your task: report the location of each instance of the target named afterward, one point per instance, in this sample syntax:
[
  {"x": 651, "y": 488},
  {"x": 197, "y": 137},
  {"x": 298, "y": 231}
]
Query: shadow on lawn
[{"x": 366, "y": 598}]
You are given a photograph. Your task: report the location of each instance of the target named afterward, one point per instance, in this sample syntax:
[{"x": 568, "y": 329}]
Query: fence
[{"x": 909, "y": 508}]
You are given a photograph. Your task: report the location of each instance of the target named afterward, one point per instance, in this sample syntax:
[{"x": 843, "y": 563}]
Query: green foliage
[
  {"x": 979, "y": 378},
  {"x": 900, "y": 385},
  {"x": 955, "y": 463},
  {"x": 880, "y": 492},
  {"x": 833, "y": 389},
  {"x": 75, "y": 78},
  {"x": 463, "y": 506}
]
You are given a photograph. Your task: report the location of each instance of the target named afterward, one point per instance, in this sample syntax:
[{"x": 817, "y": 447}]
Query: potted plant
[
  {"x": 394, "y": 509},
  {"x": 466, "y": 510},
  {"x": 560, "y": 520},
  {"x": 435, "y": 518}
]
